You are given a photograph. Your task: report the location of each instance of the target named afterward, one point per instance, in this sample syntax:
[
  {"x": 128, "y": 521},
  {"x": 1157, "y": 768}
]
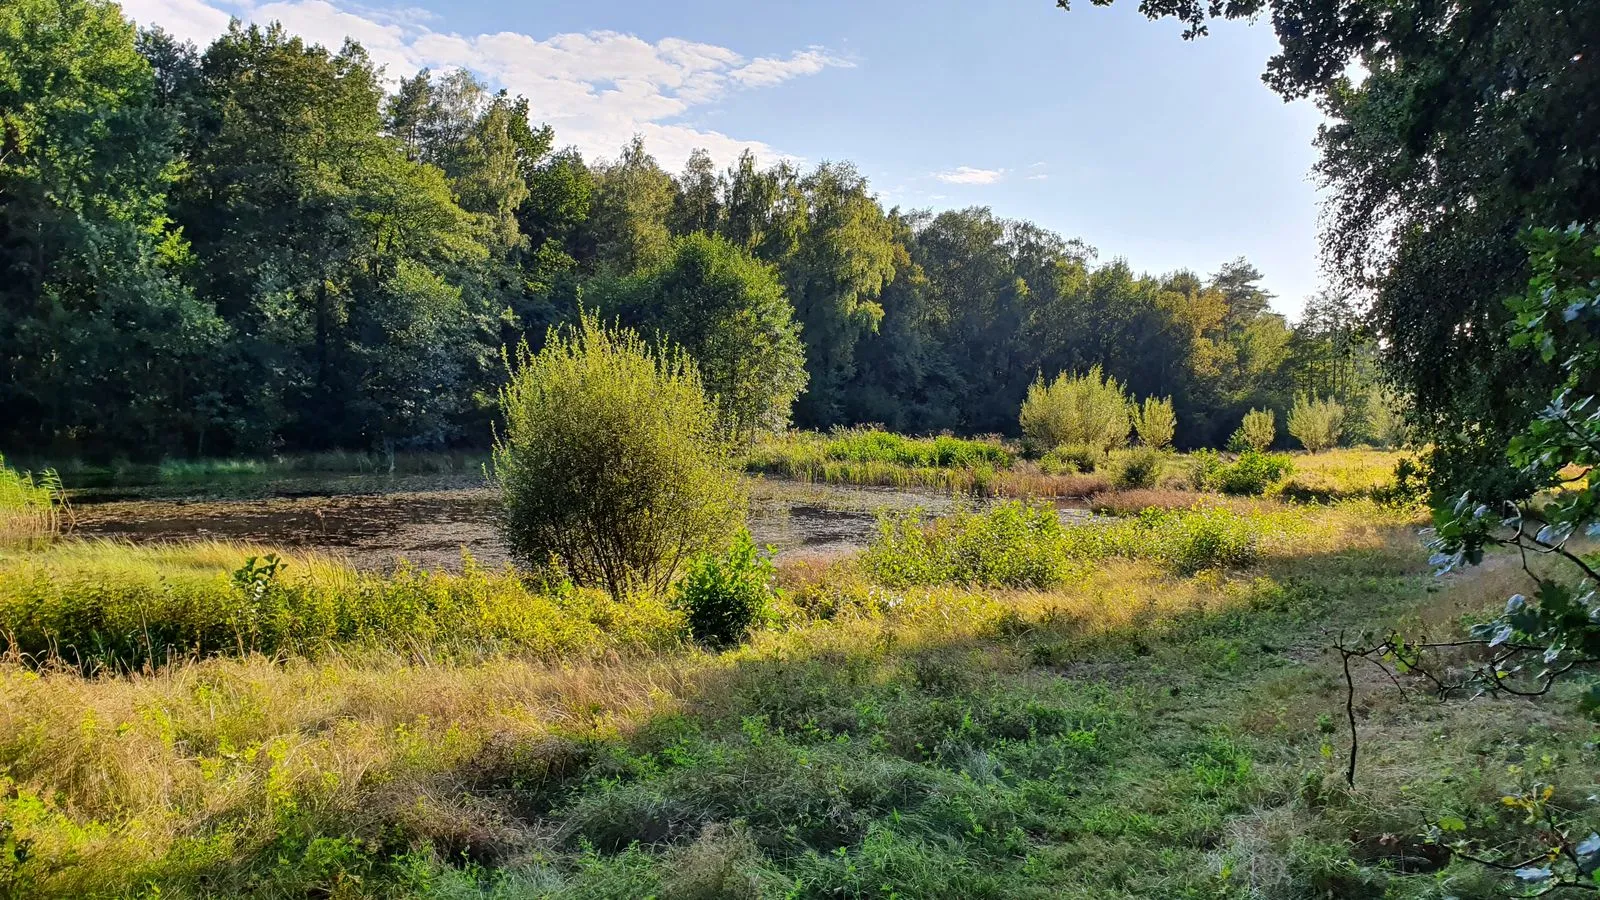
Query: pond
[{"x": 432, "y": 520}]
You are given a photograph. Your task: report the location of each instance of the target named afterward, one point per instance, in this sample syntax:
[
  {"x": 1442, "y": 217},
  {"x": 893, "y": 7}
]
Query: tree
[
  {"x": 632, "y": 200},
  {"x": 729, "y": 312},
  {"x": 1472, "y": 122},
  {"x": 844, "y": 258},
  {"x": 350, "y": 268},
  {"x": 610, "y": 461},
  {"x": 100, "y": 341}
]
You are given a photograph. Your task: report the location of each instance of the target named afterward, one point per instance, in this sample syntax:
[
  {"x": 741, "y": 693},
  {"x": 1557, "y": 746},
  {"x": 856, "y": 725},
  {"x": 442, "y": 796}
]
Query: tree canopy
[{"x": 258, "y": 245}]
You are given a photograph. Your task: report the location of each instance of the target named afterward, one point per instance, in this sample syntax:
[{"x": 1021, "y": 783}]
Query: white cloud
[
  {"x": 597, "y": 89},
  {"x": 1040, "y": 177},
  {"x": 969, "y": 175}
]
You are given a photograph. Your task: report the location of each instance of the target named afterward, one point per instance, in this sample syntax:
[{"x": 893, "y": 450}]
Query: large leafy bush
[
  {"x": 612, "y": 463},
  {"x": 1088, "y": 409}
]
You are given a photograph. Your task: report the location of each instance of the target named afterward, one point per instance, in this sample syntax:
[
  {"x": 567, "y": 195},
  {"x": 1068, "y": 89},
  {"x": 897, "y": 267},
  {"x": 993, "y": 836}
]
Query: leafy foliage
[
  {"x": 1089, "y": 410},
  {"x": 1252, "y": 474},
  {"x": 1316, "y": 423},
  {"x": 1139, "y": 468},
  {"x": 725, "y": 595},
  {"x": 611, "y": 462},
  {"x": 729, "y": 312},
  {"x": 1257, "y": 432},
  {"x": 1155, "y": 423}
]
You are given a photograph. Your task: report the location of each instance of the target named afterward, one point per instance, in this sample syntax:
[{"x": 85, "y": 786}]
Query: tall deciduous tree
[{"x": 99, "y": 341}]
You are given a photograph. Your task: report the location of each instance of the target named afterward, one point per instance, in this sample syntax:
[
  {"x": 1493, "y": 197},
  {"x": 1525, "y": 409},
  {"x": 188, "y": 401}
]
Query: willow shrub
[
  {"x": 1009, "y": 545},
  {"x": 1155, "y": 422},
  {"x": 611, "y": 463},
  {"x": 1088, "y": 409},
  {"x": 1257, "y": 432},
  {"x": 725, "y": 595},
  {"x": 1317, "y": 423}
]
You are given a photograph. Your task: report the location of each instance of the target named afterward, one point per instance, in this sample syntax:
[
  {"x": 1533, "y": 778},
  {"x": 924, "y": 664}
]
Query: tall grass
[
  {"x": 33, "y": 509},
  {"x": 97, "y": 604},
  {"x": 1028, "y": 546}
]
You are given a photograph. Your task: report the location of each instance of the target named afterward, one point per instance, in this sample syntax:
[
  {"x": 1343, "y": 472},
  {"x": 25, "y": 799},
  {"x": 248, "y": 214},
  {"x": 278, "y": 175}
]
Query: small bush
[
  {"x": 1253, "y": 474},
  {"x": 1316, "y": 424},
  {"x": 724, "y": 595},
  {"x": 611, "y": 462},
  {"x": 1204, "y": 538},
  {"x": 1155, "y": 423},
  {"x": 1139, "y": 468},
  {"x": 1089, "y": 409},
  {"x": 1385, "y": 419},
  {"x": 1072, "y": 459},
  {"x": 1257, "y": 432},
  {"x": 1010, "y": 545}
]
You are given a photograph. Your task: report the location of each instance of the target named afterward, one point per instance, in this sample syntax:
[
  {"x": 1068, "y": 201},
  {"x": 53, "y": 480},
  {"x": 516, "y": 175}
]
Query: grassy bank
[
  {"x": 1118, "y": 727},
  {"x": 991, "y": 467}
]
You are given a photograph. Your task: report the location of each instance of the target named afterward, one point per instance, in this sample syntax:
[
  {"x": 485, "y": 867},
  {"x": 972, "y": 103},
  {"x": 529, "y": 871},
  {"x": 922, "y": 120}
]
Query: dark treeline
[{"x": 257, "y": 246}]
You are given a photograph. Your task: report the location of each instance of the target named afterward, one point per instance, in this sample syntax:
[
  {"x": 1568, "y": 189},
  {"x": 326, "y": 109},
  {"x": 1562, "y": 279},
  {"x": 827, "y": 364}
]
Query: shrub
[
  {"x": 1253, "y": 474},
  {"x": 1203, "y": 538},
  {"x": 724, "y": 595},
  {"x": 1155, "y": 423},
  {"x": 1385, "y": 419},
  {"x": 1139, "y": 468},
  {"x": 1072, "y": 459},
  {"x": 1315, "y": 423},
  {"x": 611, "y": 463},
  {"x": 1183, "y": 540},
  {"x": 1257, "y": 432},
  {"x": 1009, "y": 545},
  {"x": 31, "y": 509},
  {"x": 1088, "y": 409},
  {"x": 1205, "y": 470}
]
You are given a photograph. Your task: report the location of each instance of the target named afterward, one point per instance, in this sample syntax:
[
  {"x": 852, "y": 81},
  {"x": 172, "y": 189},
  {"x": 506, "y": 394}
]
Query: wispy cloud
[
  {"x": 970, "y": 175},
  {"x": 596, "y": 88}
]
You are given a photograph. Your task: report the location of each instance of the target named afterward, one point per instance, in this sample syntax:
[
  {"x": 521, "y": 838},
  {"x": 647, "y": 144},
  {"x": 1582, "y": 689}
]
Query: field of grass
[{"x": 996, "y": 706}]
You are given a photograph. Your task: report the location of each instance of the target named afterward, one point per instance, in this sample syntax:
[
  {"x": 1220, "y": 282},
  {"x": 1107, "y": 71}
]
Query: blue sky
[{"x": 1096, "y": 123}]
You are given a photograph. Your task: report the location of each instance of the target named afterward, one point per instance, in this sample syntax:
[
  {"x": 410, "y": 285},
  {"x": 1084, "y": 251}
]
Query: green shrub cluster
[
  {"x": 1257, "y": 432},
  {"x": 725, "y": 595},
  {"x": 1252, "y": 474},
  {"x": 1089, "y": 409},
  {"x": 1137, "y": 468},
  {"x": 1072, "y": 459},
  {"x": 1009, "y": 545},
  {"x": 109, "y": 613},
  {"x": 1184, "y": 540},
  {"x": 1155, "y": 422},
  {"x": 1317, "y": 423}
]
